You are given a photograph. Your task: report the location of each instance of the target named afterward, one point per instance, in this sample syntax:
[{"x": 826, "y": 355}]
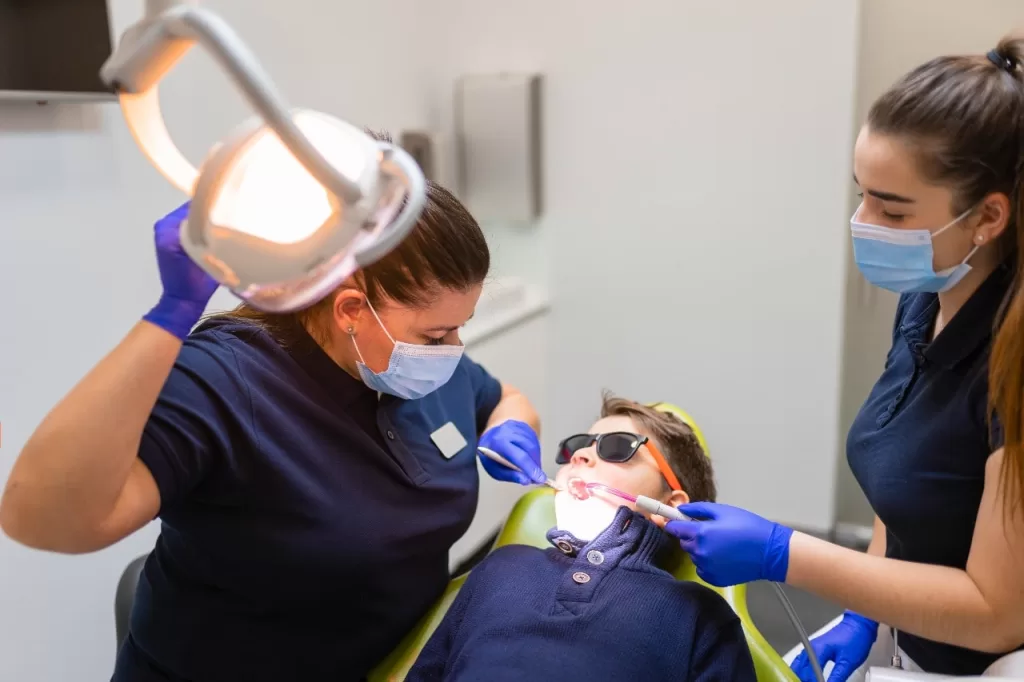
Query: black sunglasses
[{"x": 616, "y": 447}]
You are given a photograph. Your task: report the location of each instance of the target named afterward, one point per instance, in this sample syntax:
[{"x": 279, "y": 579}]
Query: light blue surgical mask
[
  {"x": 902, "y": 260},
  {"x": 413, "y": 371}
]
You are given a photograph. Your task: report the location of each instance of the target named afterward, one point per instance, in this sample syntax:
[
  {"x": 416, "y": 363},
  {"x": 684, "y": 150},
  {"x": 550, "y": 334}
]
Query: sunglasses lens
[
  {"x": 618, "y": 447},
  {"x": 569, "y": 447}
]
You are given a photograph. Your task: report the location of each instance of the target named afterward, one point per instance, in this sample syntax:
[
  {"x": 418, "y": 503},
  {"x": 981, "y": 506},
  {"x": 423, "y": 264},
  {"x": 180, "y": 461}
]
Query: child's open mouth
[{"x": 581, "y": 490}]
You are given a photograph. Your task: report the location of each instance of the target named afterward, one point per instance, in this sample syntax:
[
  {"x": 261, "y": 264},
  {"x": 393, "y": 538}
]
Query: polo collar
[
  {"x": 338, "y": 383},
  {"x": 969, "y": 329},
  {"x": 341, "y": 386}
]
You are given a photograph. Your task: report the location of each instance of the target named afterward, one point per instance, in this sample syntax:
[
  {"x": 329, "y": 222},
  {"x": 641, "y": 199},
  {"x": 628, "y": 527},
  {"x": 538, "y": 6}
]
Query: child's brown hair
[{"x": 675, "y": 439}]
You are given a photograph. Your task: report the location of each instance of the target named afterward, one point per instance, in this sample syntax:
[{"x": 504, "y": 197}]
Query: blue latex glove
[
  {"x": 517, "y": 442},
  {"x": 847, "y": 645},
  {"x": 732, "y": 546},
  {"x": 187, "y": 287}
]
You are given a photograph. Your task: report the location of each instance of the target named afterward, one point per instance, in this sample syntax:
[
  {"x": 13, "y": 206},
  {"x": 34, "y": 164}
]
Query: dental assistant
[
  {"x": 311, "y": 470},
  {"x": 939, "y": 162}
]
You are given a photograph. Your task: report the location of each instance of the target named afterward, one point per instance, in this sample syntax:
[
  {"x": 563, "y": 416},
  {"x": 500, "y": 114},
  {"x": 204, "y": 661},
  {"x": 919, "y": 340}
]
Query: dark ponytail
[
  {"x": 1006, "y": 368},
  {"x": 963, "y": 117}
]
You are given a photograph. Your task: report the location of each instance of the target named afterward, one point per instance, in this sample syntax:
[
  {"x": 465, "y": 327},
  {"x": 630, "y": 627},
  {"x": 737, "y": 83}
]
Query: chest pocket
[{"x": 448, "y": 458}]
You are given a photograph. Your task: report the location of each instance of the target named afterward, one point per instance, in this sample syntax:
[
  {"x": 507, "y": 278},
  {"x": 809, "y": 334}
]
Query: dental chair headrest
[{"x": 684, "y": 417}]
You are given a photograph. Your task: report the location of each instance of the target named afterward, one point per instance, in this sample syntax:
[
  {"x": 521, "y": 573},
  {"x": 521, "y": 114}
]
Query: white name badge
[{"x": 448, "y": 440}]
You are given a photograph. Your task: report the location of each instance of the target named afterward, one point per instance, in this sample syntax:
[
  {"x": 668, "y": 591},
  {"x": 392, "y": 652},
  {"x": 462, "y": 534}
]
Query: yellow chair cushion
[
  {"x": 528, "y": 524},
  {"x": 686, "y": 419}
]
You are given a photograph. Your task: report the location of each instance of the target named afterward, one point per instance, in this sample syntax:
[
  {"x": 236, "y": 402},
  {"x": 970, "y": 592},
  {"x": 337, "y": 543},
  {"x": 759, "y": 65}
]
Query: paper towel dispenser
[{"x": 498, "y": 145}]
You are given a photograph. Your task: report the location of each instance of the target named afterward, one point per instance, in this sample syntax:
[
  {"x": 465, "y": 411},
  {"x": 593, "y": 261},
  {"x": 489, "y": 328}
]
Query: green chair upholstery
[{"x": 528, "y": 524}]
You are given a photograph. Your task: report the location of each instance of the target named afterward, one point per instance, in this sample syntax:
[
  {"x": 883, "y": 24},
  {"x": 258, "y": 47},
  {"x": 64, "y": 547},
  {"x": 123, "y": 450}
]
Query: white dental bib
[{"x": 585, "y": 519}]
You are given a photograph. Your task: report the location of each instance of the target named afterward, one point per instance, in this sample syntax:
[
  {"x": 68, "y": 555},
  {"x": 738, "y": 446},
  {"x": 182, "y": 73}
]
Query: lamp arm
[
  {"x": 151, "y": 48},
  {"x": 398, "y": 164}
]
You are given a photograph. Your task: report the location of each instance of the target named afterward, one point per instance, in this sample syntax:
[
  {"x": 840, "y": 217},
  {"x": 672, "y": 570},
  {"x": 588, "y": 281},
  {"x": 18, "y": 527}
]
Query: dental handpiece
[
  {"x": 652, "y": 506},
  {"x": 491, "y": 454}
]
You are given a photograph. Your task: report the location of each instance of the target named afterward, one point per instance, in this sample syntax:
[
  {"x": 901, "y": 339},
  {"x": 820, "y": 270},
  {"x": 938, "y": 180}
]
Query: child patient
[{"x": 596, "y": 605}]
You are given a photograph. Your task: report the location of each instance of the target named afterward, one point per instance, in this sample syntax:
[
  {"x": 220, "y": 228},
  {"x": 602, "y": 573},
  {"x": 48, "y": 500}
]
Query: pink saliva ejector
[{"x": 581, "y": 490}]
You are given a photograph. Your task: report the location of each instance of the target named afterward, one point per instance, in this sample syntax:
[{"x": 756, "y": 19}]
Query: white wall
[
  {"x": 895, "y": 37},
  {"x": 697, "y": 158},
  {"x": 696, "y": 162}
]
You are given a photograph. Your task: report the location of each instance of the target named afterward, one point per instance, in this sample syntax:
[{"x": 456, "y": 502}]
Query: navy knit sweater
[{"x": 597, "y": 611}]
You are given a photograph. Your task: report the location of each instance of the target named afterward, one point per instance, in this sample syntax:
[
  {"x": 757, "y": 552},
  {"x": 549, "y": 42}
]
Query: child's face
[{"x": 639, "y": 476}]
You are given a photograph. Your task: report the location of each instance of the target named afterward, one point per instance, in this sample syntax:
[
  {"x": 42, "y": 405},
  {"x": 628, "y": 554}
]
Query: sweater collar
[{"x": 630, "y": 538}]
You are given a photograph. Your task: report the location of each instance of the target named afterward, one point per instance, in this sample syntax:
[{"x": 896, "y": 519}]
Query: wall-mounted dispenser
[{"x": 498, "y": 142}]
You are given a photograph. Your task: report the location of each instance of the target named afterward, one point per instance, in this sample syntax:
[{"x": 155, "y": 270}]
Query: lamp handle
[
  {"x": 152, "y": 47},
  {"x": 146, "y": 123},
  {"x": 399, "y": 164}
]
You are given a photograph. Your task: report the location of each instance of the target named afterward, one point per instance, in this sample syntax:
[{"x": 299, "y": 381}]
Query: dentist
[
  {"x": 311, "y": 471},
  {"x": 939, "y": 162}
]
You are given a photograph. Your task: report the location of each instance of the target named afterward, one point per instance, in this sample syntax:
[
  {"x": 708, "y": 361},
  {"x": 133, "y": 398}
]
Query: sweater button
[
  {"x": 581, "y": 577},
  {"x": 564, "y": 546},
  {"x": 595, "y": 557},
  {"x": 391, "y": 435}
]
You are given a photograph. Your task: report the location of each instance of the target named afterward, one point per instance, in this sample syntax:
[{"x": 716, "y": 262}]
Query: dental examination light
[{"x": 293, "y": 201}]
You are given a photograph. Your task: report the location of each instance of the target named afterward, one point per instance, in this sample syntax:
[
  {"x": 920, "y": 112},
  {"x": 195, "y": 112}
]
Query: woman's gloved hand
[
  {"x": 732, "y": 546},
  {"x": 517, "y": 442},
  {"x": 187, "y": 287},
  {"x": 846, "y": 645}
]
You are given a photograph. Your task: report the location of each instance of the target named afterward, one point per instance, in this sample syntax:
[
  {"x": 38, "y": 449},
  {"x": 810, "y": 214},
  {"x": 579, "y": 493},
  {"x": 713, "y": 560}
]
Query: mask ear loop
[
  {"x": 953, "y": 222},
  {"x": 377, "y": 317},
  {"x": 352, "y": 333},
  {"x": 973, "y": 251}
]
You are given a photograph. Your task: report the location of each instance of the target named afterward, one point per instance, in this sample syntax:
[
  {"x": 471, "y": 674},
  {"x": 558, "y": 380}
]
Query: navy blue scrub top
[
  {"x": 919, "y": 445},
  {"x": 306, "y": 521}
]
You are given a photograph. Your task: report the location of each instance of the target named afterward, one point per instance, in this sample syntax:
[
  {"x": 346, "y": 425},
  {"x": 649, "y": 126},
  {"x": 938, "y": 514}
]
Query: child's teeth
[{"x": 577, "y": 487}]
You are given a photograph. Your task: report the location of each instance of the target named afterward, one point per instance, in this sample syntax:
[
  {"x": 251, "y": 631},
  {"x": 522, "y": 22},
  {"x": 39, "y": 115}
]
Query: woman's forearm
[
  {"x": 71, "y": 472},
  {"x": 877, "y": 544},
  {"x": 935, "y": 602},
  {"x": 514, "y": 405},
  {"x": 979, "y": 608}
]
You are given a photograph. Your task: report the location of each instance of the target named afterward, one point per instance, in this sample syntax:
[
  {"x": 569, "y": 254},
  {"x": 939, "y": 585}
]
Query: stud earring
[
  {"x": 980, "y": 238},
  {"x": 351, "y": 330}
]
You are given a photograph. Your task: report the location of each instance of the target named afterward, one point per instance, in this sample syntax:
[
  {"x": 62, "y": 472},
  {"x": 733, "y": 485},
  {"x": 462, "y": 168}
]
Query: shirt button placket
[{"x": 582, "y": 579}]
